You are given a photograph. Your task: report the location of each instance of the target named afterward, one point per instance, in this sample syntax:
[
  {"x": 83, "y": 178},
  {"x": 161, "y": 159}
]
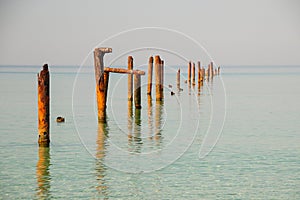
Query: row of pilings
[{"x": 102, "y": 74}]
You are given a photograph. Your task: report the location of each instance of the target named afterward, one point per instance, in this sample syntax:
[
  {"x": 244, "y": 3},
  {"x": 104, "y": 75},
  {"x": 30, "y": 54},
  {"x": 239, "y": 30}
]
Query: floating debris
[{"x": 60, "y": 119}]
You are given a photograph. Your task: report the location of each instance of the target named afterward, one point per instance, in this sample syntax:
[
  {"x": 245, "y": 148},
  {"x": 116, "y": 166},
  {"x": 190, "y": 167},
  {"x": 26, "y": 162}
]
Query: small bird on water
[{"x": 172, "y": 93}]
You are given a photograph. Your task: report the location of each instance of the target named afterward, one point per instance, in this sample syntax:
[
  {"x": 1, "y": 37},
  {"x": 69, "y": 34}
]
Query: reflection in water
[
  {"x": 129, "y": 120},
  {"x": 100, "y": 155},
  {"x": 137, "y": 131},
  {"x": 150, "y": 117},
  {"x": 43, "y": 173},
  {"x": 199, "y": 88},
  {"x": 158, "y": 120}
]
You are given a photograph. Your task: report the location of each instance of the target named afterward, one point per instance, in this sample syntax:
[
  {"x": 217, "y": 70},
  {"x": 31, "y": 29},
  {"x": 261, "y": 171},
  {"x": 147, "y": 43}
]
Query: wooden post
[
  {"x": 106, "y": 80},
  {"x": 199, "y": 72},
  {"x": 162, "y": 76},
  {"x": 219, "y": 70},
  {"x": 44, "y": 107},
  {"x": 130, "y": 85},
  {"x": 193, "y": 73},
  {"x": 208, "y": 71},
  {"x": 211, "y": 69},
  {"x": 178, "y": 79},
  {"x": 101, "y": 82},
  {"x": 137, "y": 91},
  {"x": 157, "y": 65},
  {"x": 189, "y": 72},
  {"x": 150, "y": 69}
]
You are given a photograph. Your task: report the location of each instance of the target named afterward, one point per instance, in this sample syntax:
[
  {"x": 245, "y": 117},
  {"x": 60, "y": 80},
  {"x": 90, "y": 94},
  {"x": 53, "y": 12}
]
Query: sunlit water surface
[{"x": 153, "y": 153}]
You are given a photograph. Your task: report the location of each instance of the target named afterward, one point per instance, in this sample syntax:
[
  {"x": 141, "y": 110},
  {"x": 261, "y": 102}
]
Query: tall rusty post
[
  {"x": 130, "y": 78},
  {"x": 44, "y": 106},
  {"x": 137, "y": 91},
  {"x": 150, "y": 72},
  {"x": 158, "y": 79},
  {"x": 189, "y": 72},
  {"x": 101, "y": 81}
]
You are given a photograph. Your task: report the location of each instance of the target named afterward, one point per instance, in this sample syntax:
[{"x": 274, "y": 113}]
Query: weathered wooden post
[
  {"x": 130, "y": 79},
  {"x": 162, "y": 75},
  {"x": 101, "y": 81},
  {"x": 44, "y": 106},
  {"x": 193, "y": 73},
  {"x": 189, "y": 72},
  {"x": 211, "y": 73},
  {"x": 178, "y": 79},
  {"x": 208, "y": 71},
  {"x": 219, "y": 70},
  {"x": 199, "y": 71},
  {"x": 137, "y": 91},
  {"x": 150, "y": 70},
  {"x": 158, "y": 91}
]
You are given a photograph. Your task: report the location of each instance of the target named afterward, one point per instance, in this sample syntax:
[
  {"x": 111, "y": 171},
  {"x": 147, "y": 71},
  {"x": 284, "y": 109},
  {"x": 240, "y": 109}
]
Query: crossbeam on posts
[{"x": 123, "y": 71}]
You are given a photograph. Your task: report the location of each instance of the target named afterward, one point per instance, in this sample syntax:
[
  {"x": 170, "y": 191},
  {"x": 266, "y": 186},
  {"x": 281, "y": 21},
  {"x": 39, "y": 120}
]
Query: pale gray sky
[{"x": 234, "y": 32}]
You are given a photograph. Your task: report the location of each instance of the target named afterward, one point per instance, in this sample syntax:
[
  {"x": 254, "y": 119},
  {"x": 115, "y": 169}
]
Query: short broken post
[
  {"x": 178, "y": 79},
  {"x": 150, "y": 70},
  {"x": 101, "y": 82},
  {"x": 137, "y": 91},
  {"x": 130, "y": 78},
  {"x": 44, "y": 107}
]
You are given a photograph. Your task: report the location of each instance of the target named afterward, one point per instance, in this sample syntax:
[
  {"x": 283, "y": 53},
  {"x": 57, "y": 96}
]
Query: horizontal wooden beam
[{"x": 123, "y": 71}]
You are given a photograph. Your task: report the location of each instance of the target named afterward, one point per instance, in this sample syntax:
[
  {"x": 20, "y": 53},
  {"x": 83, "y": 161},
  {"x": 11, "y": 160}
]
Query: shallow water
[{"x": 256, "y": 156}]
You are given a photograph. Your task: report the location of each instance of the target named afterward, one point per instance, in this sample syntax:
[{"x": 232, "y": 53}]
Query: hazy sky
[{"x": 234, "y": 32}]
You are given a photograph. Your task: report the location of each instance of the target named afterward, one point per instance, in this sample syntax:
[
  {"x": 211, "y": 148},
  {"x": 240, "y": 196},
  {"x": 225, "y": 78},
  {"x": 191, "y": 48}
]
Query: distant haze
[{"x": 234, "y": 32}]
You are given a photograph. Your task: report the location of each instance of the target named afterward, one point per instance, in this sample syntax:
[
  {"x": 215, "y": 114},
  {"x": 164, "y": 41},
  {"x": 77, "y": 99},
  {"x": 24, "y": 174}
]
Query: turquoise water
[{"x": 256, "y": 156}]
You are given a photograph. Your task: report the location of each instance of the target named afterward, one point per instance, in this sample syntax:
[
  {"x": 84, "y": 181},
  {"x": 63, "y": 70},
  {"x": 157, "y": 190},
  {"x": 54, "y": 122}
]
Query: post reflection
[
  {"x": 130, "y": 117},
  {"x": 100, "y": 155},
  {"x": 43, "y": 173},
  {"x": 159, "y": 106},
  {"x": 150, "y": 118},
  {"x": 137, "y": 131}
]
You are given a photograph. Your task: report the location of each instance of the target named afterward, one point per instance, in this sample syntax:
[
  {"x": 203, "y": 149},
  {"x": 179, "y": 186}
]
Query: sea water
[{"x": 235, "y": 138}]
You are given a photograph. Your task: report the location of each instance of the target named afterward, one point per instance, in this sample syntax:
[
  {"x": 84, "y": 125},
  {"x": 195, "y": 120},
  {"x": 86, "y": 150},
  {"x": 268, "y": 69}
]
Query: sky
[{"x": 231, "y": 32}]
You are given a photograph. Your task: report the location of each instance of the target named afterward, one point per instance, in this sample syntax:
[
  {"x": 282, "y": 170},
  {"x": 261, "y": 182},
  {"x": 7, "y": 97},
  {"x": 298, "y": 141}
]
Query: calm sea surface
[{"x": 238, "y": 137}]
